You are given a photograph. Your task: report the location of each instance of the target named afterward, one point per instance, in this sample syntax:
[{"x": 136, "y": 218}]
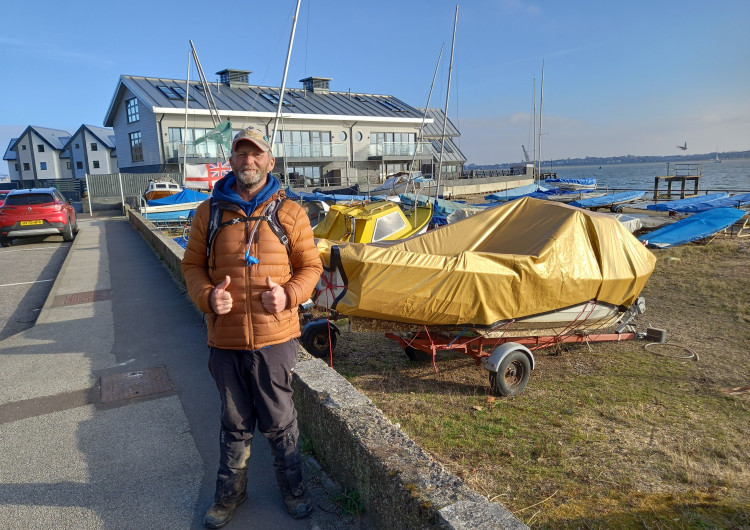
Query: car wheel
[
  {"x": 5, "y": 242},
  {"x": 75, "y": 226},
  {"x": 68, "y": 232}
]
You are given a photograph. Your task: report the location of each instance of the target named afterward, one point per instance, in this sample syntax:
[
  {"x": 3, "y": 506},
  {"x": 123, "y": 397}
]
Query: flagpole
[{"x": 283, "y": 86}]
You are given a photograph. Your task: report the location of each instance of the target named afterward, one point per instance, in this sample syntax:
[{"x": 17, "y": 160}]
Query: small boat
[
  {"x": 158, "y": 189},
  {"x": 685, "y": 205},
  {"x": 699, "y": 226},
  {"x": 610, "y": 200},
  {"x": 370, "y": 222},
  {"x": 177, "y": 207},
  {"x": 571, "y": 184}
]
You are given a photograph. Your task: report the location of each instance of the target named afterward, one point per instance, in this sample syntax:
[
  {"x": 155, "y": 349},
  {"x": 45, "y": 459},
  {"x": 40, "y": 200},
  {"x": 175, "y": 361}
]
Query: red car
[
  {"x": 36, "y": 212},
  {"x": 3, "y": 193}
]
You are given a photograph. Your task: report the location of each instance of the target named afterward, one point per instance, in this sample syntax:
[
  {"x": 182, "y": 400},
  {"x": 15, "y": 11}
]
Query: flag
[
  {"x": 204, "y": 176},
  {"x": 221, "y": 134}
]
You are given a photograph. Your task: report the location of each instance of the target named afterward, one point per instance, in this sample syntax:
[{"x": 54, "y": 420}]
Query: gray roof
[
  {"x": 55, "y": 138},
  {"x": 435, "y": 128},
  {"x": 105, "y": 136},
  {"x": 10, "y": 154},
  {"x": 451, "y": 153},
  {"x": 261, "y": 99}
]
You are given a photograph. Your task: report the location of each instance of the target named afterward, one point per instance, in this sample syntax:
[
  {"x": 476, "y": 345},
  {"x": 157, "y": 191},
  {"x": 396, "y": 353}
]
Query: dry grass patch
[{"x": 607, "y": 434}]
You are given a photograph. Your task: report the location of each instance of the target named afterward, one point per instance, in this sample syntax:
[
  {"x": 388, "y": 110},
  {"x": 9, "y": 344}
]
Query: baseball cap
[{"x": 253, "y": 135}]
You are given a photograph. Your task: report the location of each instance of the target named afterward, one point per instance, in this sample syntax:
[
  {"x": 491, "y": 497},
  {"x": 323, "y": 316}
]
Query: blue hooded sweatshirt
[{"x": 224, "y": 191}]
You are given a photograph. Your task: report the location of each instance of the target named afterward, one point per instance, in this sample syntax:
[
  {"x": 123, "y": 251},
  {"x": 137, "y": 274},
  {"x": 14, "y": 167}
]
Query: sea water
[{"x": 728, "y": 175}]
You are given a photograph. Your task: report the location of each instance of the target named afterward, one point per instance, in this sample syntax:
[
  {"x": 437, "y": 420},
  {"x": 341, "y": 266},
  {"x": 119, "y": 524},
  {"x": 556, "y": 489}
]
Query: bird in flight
[{"x": 683, "y": 147}]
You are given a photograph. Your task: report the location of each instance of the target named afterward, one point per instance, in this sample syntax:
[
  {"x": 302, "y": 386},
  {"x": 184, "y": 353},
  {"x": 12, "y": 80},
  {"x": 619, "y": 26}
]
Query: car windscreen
[{"x": 28, "y": 198}]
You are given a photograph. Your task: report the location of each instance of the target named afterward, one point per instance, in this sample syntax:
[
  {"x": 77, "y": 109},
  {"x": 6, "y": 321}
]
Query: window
[
  {"x": 79, "y": 165},
  {"x": 40, "y": 148},
  {"x": 69, "y": 165},
  {"x": 96, "y": 164},
  {"x": 358, "y": 136},
  {"x": 168, "y": 92},
  {"x": 23, "y": 148},
  {"x": 305, "y": 143},
  {"x": 181, "y": 92},
  {"x": 94, "y": 146},
  {"x": 387, "y": 225},
  {"x": 18, "y": 168},
  {"x": 43, "y": 166},
  {"x": 393, "y": 144},
  {"x": 342, "y": 135},
  {"x": 274, "y": 98},
  {"x": 387, "y": 103},
  {"x": 136, "y": 146},
  {"x": 132, "y": 108},
  {"x": 26, "y": 166},
  {"x": 78, "y": 146},
  {"x": 436, "y": 144}
]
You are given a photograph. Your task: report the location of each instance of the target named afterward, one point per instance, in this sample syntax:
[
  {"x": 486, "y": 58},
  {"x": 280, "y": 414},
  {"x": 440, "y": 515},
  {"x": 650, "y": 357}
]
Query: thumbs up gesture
[
  {"x": 275, "y": 299},
  {"x": 220, "y": 299}
]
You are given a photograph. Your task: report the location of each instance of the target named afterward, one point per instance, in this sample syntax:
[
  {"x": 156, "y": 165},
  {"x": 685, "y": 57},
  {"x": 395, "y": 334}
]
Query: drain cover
[
  {"x": 82, "y": 298},
  {"x": 117, "y": 387}
]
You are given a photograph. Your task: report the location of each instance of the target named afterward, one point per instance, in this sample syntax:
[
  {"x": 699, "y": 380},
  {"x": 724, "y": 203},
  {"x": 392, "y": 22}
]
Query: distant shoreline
[{"x": 623, "y": 160}]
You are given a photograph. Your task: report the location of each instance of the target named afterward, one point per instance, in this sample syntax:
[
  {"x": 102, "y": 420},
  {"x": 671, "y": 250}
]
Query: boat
[
  {"x": 402, "y": 182},
  {"x": 368, "y": 222},
  {"x": 177, "y": 207},
  {"x": 613, "y": 201},
  {"x": 527, "y": 263},
  {"x": 158, "y": 189},
  {"x": 696, "y": 227},
  {"x": 571, "y": 184},
  {"x": 566, "y": 196},
  {"x": 684, "y": 205}
]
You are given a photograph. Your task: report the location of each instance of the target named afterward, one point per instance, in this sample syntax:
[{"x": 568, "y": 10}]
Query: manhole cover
[
  {"x": 117, "y": 387},
  {"x": 82, "y": 298}
]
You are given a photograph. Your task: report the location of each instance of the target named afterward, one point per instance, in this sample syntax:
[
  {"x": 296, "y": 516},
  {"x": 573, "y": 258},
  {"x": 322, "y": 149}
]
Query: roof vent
[
  {"x": 234, "y": 78},
  {"x": 316, "y": 85}
]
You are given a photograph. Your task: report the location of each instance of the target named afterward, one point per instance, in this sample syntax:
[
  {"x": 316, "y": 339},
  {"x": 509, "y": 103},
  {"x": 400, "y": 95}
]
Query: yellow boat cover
[{"x": 522, "y": 258}]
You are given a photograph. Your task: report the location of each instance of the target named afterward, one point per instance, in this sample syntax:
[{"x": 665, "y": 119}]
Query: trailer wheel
[
  {"x": 512, "y": 374},
  {"x": 417, "y": 355},
  {"x": 315, "y": 341}
]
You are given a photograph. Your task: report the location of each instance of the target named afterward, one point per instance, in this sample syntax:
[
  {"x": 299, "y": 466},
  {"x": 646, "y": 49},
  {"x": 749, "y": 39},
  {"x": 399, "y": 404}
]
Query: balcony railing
[
  {"x": 400, "y": 149},
  {"x": 308, "y": 150},
  {"x": 204, "y": 150}
]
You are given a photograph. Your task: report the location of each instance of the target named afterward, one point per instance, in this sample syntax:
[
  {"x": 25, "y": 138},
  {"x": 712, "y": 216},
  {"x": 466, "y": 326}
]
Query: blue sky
[{"x": 636, "y": 77}]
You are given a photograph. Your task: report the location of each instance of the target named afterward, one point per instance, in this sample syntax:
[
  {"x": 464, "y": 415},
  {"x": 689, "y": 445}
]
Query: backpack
[{"x": 270, "y": 215}]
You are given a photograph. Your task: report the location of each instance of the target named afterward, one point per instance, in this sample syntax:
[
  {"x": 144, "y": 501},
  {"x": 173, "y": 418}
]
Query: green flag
[{"x": 221, "y": 134}]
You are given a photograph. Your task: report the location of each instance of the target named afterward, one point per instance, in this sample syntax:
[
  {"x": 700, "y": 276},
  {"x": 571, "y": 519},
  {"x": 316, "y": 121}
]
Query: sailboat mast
[
  {"x": 445, "y": 116},
  {"x": 184, "y": 135},
  {"x": 541, "y": 104},
  {"x": 283, "y": 85}
]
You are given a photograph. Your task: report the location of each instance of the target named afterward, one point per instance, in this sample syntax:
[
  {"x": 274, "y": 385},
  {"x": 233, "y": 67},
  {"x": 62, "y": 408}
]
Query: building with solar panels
[{"x": 324, "y": 137}]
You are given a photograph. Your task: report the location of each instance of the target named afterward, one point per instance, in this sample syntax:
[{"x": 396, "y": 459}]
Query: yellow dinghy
[{"x": 373, "y": 221}]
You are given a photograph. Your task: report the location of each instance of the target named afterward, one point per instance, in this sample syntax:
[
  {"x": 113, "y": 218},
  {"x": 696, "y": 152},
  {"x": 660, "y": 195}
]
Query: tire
[
  {"x": 512, "y": 374},
  {"x": 315, "y": 341},
  {"x": 67, "y": 233},
  {"x": 615, "y": 208},
  {"x": 75, "y": 227},
  {"x": 417, "y": 355},
  {"x": 5, "y": 242}
]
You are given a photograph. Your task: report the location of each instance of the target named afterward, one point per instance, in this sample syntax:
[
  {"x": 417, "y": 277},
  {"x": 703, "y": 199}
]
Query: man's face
[{"x": 250, "y": 163}]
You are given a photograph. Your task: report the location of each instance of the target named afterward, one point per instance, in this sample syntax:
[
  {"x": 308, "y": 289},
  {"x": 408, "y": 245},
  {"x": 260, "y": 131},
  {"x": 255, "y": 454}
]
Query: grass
[{"x": 607, "y": 434}]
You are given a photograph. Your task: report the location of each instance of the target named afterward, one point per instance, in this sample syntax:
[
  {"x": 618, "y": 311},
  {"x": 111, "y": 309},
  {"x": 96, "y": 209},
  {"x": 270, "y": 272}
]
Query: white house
[{"x": 92, "y": 151}]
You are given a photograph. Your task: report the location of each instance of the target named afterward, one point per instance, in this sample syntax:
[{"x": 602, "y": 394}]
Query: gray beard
[{"x": 246, "y": 181}]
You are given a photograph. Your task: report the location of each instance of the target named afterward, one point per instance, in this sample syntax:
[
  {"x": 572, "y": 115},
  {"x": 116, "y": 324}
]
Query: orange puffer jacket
[{"x": 248, "y": 326}]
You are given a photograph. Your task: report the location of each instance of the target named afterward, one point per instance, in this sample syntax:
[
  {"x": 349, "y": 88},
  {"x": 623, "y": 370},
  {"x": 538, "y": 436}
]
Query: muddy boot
[
  {"x": 288, "y": 469},
  {"x": 230, "y": 493}
]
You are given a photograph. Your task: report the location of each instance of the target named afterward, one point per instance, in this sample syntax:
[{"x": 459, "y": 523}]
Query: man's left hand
[{"x": 275, "y": 299}]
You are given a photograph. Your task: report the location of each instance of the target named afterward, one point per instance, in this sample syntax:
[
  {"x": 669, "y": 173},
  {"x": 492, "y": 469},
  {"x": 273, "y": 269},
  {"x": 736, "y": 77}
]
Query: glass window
[
  {"x": 132, "y": 109},
  {"x": 168, "y": 92},
  {"x": 342, "y": 135},
  {"x": 26, "y": 166},
  {"x": 388, "y": 225},
  {"x": 94, "y": 146},
  {"x": 358, "y": 136},
  {"x": 96, "y": 164},
  {"x": 78, "y": 146},
  {"x": 136, "y": 146},
  {"x": 79, "y": 165},
  {"x": 42, "y": 165},
  {"x": 70, "y": 165},
  {"x": 23, "y": 148},
  {"x": 40, "y": 148},
  {"x": 181, "y": 92}
]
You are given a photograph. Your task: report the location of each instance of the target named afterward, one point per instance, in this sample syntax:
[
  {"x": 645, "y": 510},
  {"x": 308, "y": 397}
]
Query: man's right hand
[{"x": 220, "y": 299}]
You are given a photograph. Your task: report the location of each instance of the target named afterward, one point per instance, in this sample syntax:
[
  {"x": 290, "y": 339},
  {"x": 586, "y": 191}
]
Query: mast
[
  {"x": 283, "y": 85},
  {"x": 184, "y": 134},
  {"x": 445, "y": 116},
  {"x": 215, "y": 118},
  {"x": 541, "y": 102}
]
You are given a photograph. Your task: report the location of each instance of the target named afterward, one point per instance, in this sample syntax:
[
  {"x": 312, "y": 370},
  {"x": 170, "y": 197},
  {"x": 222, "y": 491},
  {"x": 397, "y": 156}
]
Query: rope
[{"x": 692, "y": 355}]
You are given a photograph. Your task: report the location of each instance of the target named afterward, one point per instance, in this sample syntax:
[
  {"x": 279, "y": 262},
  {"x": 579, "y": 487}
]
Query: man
[{"x": 250, "y": 284}]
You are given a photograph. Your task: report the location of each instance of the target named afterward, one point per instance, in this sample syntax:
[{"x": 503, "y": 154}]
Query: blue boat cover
[
  {"x": 679, "y": 205},
  {"x": 559, "y": 191},
  {"x": 514, "y": 193},
  {"x": 607, "y": 200},
  {"x": 582, "y": 181},
  {"x": 734, "y": 201},
  {"x": 328, "y": 197},
  {"x": 693, "y": 228},
  {"x": 186, "y": 195}
]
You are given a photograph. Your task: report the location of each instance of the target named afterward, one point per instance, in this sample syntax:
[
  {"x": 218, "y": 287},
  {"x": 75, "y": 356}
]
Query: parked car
[
  {"x": 36, "y": 212},
  {"x": 3, "y": 193}
]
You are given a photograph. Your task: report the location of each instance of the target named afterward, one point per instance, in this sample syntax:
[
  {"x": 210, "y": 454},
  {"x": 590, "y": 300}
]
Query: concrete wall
[{"x": 400, "y": 484}]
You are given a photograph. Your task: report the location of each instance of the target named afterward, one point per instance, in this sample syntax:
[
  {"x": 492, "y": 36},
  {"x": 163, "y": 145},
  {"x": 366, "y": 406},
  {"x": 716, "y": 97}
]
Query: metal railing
[{"x": 400, "y": 149}]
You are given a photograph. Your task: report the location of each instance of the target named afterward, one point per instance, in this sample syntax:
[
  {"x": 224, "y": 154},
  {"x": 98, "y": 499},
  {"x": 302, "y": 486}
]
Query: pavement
[{"x": 108, "y": 415}]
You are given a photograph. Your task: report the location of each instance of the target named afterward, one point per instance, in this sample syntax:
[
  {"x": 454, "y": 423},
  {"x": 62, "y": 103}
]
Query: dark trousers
[{"x": 256, "y": 388}]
